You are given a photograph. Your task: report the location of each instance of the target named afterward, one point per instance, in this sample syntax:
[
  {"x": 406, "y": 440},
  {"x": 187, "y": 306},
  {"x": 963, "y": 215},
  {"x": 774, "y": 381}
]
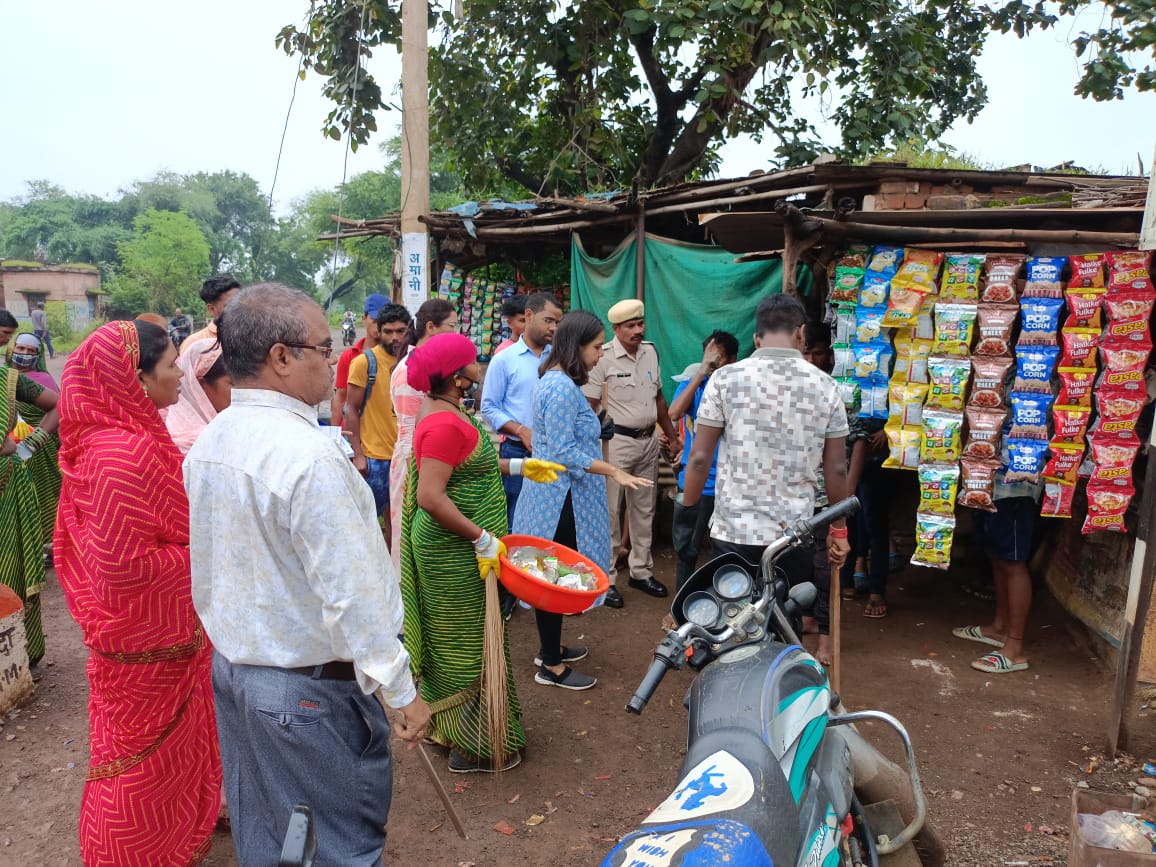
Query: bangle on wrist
[{"x": 837, "y": 532}]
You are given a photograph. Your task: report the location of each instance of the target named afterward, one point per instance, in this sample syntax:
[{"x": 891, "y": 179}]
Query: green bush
[{"x": 58, "y": 324}]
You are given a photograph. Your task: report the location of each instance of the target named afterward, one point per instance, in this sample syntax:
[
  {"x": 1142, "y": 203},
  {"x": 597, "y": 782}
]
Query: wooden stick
[{"x": 442, "y": 793}]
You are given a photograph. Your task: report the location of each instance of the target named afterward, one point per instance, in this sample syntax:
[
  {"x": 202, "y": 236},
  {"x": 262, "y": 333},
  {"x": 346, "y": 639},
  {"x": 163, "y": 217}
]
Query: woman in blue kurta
[{"x": 573, "y": 510}]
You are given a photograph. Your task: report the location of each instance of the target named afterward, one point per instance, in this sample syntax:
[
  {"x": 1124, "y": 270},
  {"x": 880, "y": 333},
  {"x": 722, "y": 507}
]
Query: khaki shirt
[{"x": 632, "y": 384}]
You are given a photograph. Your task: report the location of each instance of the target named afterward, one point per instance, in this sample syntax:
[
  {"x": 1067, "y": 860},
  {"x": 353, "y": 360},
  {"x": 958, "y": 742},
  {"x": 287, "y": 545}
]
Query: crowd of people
[{"x": 256, "y": 593}]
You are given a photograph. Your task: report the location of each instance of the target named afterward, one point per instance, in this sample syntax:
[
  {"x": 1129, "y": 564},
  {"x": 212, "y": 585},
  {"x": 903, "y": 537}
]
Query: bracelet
[
  {"x": 516, "y": 466},
  {"x": 837, "y": 532}
]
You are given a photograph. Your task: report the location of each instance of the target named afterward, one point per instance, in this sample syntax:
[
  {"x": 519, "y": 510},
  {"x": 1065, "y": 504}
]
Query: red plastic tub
[{"x": 542, "y": 594}]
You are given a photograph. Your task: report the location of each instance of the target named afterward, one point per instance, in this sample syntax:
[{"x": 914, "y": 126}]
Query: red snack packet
[
  {"x": 1129, "y": 269},
  {"x": 977, "y": 483},
  {"x": 1076, "y": 386},
  {"x": 1087, "y": 271},
  {"x": 988, "y": 381},
  {"x": 1119, "y": 411},
  {"x": 1106, "y": 507},
  {"x": 1064, "y": 464},
  {"x": 1057, "y": 500},
  {"x": 1084, "y": 308},
  {"x": 1079, "y": 347},
  {"x": 1112, "y": 460},
  {"x": 1070, "y": 424},
  {"x": 1128, "y": 315},
  {"x": 1002, "y": 271}
]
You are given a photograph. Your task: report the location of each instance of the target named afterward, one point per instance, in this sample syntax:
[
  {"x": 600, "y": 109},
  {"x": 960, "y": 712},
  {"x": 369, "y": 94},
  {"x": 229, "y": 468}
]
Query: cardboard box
[{"x": 1083, "y": 854}]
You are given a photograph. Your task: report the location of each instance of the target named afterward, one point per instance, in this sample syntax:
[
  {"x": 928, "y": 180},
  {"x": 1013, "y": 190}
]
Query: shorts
[
  {"x": 1009, "y": 532},
  {"x": 378, "y": 477}
]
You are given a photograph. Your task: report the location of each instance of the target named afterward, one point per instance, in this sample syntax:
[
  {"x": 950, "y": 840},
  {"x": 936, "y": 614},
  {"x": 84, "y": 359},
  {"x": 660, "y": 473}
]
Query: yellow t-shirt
[{"x": 378, "y": 420}]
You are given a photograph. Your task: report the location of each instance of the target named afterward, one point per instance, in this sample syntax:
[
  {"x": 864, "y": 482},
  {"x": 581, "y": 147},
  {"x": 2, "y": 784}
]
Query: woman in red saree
[{"x": 153, "y": 789}]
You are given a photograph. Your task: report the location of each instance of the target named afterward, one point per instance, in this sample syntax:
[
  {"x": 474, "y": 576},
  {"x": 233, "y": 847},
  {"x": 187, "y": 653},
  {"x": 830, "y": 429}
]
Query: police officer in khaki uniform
[{"x": 629, "y": 378}]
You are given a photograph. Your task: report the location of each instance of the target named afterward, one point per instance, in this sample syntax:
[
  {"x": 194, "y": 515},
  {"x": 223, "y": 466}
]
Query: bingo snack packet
[
  {"x": 1034, "y": 366},
  {"x": 933, "y": 536},
  {"x": 996, "y": 323},
  {"x": 984, "y": 430},
  {"x": 988, "y": 381},
  {"x": 977, "y": 483},
  {"x": 1044, "y": 277},
  {"x": 904, "y": 303},
  {"x": 1000, "y": 284},
  {"x": 1057, "y": 500},
  {"x": 1040, "y": 321},
  {"x": 948, "y": 382},
  {"x": 942, "y": 437},
  {"x": 1129, "y": 269},
  {"x": 961, "y": 273},
  {"x": 1106, "y": 507},
  {"x": 954, "y": 328},
  {"x": 938, "y": 485}
]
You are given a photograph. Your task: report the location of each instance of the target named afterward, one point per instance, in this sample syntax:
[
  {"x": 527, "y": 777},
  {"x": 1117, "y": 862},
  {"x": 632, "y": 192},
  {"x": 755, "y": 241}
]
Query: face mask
[
  {"x": 471, "y": 389},
  {"x": 26, "y": 361}
]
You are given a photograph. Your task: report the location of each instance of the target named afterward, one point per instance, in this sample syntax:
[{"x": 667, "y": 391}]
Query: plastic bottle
[{"x": 1112, "y": 831}]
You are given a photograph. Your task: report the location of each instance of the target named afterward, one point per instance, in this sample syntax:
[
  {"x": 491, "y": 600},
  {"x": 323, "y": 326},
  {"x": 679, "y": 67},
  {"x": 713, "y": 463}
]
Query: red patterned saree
[{"x": 153, "y": 788}]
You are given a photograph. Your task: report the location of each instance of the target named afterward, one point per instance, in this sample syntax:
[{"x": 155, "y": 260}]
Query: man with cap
[
  {"x": 627, "y": 382},
  {"x": 373, "y": 303}
]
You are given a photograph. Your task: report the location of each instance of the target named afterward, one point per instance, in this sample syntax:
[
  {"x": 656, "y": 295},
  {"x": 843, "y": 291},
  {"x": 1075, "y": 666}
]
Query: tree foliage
[
  {"x": 594, "y": 94},
  {"x": 162, "y": 265}
]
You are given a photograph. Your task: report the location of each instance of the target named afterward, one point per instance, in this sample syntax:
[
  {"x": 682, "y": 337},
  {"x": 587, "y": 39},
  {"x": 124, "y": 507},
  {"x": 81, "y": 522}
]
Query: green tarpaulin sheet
[{"x": 690, "y": 290}]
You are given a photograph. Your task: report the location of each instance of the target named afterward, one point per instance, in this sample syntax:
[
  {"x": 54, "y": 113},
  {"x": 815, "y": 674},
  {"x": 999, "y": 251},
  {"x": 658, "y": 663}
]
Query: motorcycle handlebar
[
  {"x": 654, "y": 676},
  {"x": 843, "y": 509}
]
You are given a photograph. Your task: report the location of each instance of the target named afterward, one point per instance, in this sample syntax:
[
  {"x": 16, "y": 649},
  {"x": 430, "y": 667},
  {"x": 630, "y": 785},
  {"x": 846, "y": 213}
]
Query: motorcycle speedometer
[
  {"x": 731, "y": 582},
  {"x": 702, "y": 609}
]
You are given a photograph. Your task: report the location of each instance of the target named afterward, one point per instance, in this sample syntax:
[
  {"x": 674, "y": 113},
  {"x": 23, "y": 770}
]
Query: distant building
[{"x": 73, "y": 288}]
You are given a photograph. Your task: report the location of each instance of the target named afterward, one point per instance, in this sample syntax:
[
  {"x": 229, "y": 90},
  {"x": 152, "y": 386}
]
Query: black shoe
[
  {"x": 613, "y": 598},
  {"x": 648, "y": 586},
  {"x": 460, "y": 763},
  {"x": 509, "y": 603},
  {"x": 568, "y": 679},
  {"x": 569, "y": 654}
]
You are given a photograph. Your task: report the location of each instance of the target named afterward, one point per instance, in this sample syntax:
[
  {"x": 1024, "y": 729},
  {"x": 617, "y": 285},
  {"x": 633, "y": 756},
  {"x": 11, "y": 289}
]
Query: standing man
[
  {"x": 718, "y": 350},
  {"x": 627, "y": 382},
  {"x": 40, "y": 328},
  {"x": 373, "y": 305},
  {"x": 514, "y": 312},
  {"x": 369, "y": 415},
  {"x": 215, "y": 292},
  {"x": 774, "y": 418},
  {"x": 303, "y": 633}
]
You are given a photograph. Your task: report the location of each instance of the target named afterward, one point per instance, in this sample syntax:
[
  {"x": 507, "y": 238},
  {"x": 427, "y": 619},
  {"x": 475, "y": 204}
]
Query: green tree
[
  {"x": 164, "y": 262},
  {"x": 599, "y": 93},
  {"x": 50, "y": 224}
]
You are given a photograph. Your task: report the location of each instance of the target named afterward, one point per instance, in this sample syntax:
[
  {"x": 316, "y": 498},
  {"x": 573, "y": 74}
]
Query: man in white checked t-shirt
[{"x": 774, "y": 417}]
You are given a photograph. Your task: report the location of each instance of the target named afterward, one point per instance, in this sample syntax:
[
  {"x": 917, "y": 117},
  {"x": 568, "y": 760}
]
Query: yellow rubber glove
[
  {"x": 541, "y": 471},
  {"x": 488, "y": 548}
]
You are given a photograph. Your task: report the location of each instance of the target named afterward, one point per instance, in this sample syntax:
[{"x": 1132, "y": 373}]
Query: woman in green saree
[{"x": 26, "y": 354}]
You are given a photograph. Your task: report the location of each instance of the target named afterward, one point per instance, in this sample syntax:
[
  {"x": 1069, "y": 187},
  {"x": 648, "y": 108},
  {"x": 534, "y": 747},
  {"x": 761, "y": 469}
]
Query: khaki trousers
[{"x": 639, "y": 457}]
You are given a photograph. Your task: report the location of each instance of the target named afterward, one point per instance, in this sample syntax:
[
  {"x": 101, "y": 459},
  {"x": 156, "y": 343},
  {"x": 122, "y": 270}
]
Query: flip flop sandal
[
  {"x": 973, "y": 633},
  {"x": 858, "y": 580},
  {"x": 997, "y": 663},
  {"x": 876, "y": 609}
]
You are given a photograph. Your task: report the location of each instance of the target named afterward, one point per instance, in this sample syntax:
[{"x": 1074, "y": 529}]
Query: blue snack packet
[
  {"x": 1034, "y": 368},
  {"x": 885, "y": 260},
  {"x": 1040, "y": 321},
  {"x": 1026, "y": 460}
]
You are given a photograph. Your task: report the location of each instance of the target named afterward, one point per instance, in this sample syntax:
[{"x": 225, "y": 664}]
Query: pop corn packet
[
  {"x": 1029, "y": 415},
  {"x": 933, "y": 537},
  {"x": 1025, "y": 460},
  {"x": 961, "y": 273},
  {"x": 1034, "y": 366},
  {"x": 1040, "y": 321},
  {"x": 1044, "y": 277},
  {"x": 977, "y": 483},
  {"x": 938, "y": 486}
]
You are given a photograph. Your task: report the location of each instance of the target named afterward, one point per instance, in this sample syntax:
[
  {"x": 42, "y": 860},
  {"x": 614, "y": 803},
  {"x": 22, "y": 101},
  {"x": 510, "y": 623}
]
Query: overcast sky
[{"x": 95, "y": 94}]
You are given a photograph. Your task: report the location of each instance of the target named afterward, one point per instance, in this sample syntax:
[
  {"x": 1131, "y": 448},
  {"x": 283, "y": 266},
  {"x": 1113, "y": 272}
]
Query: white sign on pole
[
  {"x": 1148, "y": 227},
  {"x": 414, "y": 270}
]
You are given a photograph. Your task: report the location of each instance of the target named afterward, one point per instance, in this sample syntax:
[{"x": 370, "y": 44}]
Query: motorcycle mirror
[{"x": 803, "y": 595}]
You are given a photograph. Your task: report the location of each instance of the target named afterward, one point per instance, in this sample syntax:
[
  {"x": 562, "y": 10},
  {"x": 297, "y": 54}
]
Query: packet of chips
[
  {"x": 846, "y": 286},
  {"x": 844, "y": 361},
  {"x": 1106, "y": 507},
  {"x": 902, "y": 447},
  {"x": 1040, "y": 321},
  {"x": 871, "y": 358},
  {"x": 1087, "y": 271},
  {"x": 1034, "y": 366},
  {"x": 988, "y": 381},
  {"x": 850, "y": 392},
  {"x": 844, "y": 323},
  {"x": 1076, "y": 386},
  {"x": 1057, "y": 500},
  {"x": 948, "y": 382},
  {"x": 910, "y": 357},
  {"x": 873, "y": 397},
  {"x": 1124, "y": 364},
  {"x": 904, "y": 303},
  {"x": 961, "y": 273},
  {"x": 954, "y": 328},
  {"x": 1119, "y": 412},
  {"x": 1064, "y": 463},
  {"x": 1084, "y": 308},
  {"x": 1025, "y": 460},
  {"x": 919, "y": 268},
  {"x": 996, "y": 323},
  {"x": 1112, "y": 460},
  {"x": 867, "y": 323},
  {"x": 1000, "y": 280},
  {"x": 984, "y": 430},
  {"x": 938, "y": 486},
  {"x": 1029, "y": 415},
  {"x": 925, "y": 325},
  {"x": 942, "y": 437},
  {"x": 1079, "y": 347},
  {"x": 854, "y": 256},
  {"x": 874, "y": 291},
  {"x": 1070, "y": 424},
  {"x": 933, "y": 536},
  {"x": 886, "y": 260},
  {"x": 1129, "y": 269},
  {"x": 1044, "y": 277},
  {"x": 905, "y": 403},
  {"x": 977, "y": 483},
  {"x": 1128, "y": 317}
]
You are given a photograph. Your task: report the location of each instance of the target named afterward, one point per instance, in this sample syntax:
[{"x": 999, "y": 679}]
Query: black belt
[
  {"x": 633, "y": 432},
  {"x": 328, "y": 671}
]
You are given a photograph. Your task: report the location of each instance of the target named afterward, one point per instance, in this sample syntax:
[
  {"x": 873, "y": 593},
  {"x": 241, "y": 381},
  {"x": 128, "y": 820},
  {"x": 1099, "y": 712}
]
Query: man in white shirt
[{"x": 304, "y": 631}]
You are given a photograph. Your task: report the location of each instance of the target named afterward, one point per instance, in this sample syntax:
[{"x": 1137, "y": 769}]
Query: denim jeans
[
  {"x": 378, "y": 478},
  {"x": 512, "y": 484},
  {"x": 688, "y": 538},
  {"x": 289, "y": 739}
]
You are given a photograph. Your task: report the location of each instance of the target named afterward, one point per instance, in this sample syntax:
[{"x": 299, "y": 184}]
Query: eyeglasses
[{"x": 326, "y": 349}]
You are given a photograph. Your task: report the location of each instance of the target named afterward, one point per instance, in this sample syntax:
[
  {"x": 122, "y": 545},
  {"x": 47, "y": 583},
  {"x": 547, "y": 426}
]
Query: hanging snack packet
[
  {"x": 954, "y": 328},
  {"x": 1034, "y": 366},
  {"x": 948, "y": 382},
  {"x": 1029, "y": 415},
  {"x": 1064, "y": 464},
  {"x": 920, "y": 268},
  {"x": 904, "y": 303},
  {"x": 854, "y": 256},
  {"x": 1119, "y": 412},
  {"x": 873, "y": 397},
  {"x": 1128, "y": 315},
  {"x": 850, "y": 392},
  {"x": 1129, "y": 269},
  {"x": 989, "y": 381},
  {"x": 925, "y": 325},
  {"x": 1112, "y": 461},
  {"x": 1087, "y": 271},
  {"x": 1057, "y": 500},
  {"x": 1076, "y": 386},
  {"x": 886, "y": 260},
  {"x": 933, "y": 535},
  {"x": 1070, "y": 424},
  {"x": 844, "y": 323},
  {"x": 873, "y": 357},
  {"x": 846, "y": 285},
  {"x": 902, "y": 447},
  {"x": 1044, "y": 277},
  {"x": 910, "y": 357},
  {"x": 938, "y": 485},
  {"x": 1040, "y": 321},
  {"x": 1124, "y": 364},
  {"x": 874, "y": 291},
  {"x": 977, "y": 483},
  {"x": 996, "y": 323},
  {"x": 1084, "y": 307},
  {"x": 867, "y": 324},
  {"x": 1106, "y": 507},
  {"x": 1000, "y": 285},
  {"x": 1079, "y": 347},
  {"x": 984, "y": 431},
  {"x": 1025, "y": 460},
  {"x": 942, "y": 439},
  {"x": 844, "y": 361},
  {"x": 961, "y": 272},
  {"x": 905, "y": 403}
]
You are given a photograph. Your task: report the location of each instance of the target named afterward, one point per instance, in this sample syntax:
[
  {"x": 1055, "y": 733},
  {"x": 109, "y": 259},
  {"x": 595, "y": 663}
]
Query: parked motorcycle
[
  {"x": 348, "y": 332},
  {"x": 769, "y": 775}
]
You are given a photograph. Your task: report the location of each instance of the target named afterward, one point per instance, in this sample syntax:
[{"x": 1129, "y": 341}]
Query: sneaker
[
  {"x": 460, "y": 763},
  {"x": 568, "y": 679},
  {"x": 569, "y": 654}
]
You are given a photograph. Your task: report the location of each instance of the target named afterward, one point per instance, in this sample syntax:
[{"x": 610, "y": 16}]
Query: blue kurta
[{"x": 566, "y": 430}]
